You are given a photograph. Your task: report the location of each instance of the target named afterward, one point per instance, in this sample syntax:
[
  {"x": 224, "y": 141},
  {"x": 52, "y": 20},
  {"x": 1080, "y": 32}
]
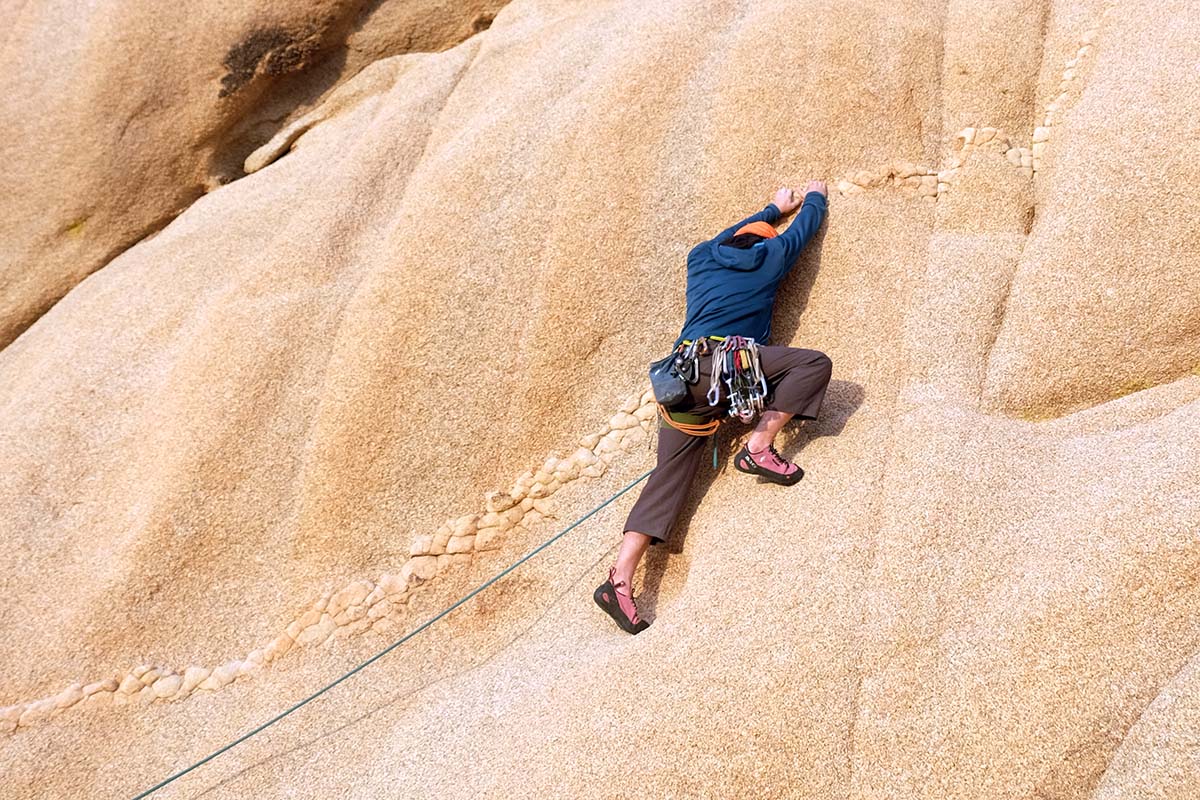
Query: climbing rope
[
  {"x": 394, "y": 645},
  {"x": 690, "y": 428}
]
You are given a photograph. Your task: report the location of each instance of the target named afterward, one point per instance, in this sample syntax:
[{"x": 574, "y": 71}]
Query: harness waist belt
[{"x": 689, "y": 341}]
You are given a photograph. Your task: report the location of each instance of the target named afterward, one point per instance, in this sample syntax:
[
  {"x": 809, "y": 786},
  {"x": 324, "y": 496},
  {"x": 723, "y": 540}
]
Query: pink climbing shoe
[
  {"x": 767, "y": 463},
  {"x": 619, "y": 605}
]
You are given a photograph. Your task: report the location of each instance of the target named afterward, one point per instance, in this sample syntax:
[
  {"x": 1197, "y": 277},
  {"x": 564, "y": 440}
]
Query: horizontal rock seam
[
  {"x": 930, "y": 183},
  {"x": 366, "y": 605}
]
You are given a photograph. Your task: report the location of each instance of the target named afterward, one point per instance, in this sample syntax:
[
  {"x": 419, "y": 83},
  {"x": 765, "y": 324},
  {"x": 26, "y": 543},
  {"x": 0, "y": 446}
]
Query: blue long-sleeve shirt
[{"x": 730, "y": 291}]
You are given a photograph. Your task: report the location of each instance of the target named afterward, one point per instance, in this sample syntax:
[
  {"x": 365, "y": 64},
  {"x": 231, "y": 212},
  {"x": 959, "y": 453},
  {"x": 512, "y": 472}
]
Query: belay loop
[{"x": 736, "y": 362}]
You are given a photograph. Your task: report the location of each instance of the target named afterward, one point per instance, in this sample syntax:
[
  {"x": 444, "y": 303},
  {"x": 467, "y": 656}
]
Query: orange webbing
[{"x": 702, "y": 429}]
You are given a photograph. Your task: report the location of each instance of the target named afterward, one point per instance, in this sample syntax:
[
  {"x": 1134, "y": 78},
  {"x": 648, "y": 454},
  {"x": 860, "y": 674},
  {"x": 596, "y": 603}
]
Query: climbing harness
[
  {"x": 395, "y": 644},
  {"x": 736, "y": 361}
]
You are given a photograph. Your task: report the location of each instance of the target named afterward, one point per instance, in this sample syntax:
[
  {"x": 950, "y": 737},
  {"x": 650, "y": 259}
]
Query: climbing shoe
[
  {"x": 767, "y": 463},
  {"x": 619, "y": 605}
]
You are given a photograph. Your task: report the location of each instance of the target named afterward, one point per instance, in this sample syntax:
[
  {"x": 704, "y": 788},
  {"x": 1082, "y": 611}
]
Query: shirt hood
[{"x": 746, "y": 260}]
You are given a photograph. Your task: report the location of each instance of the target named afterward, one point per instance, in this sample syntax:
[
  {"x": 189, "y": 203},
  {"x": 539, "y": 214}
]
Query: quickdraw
[
  {"x": 687, "y": 359},
  {"x": 736, "y": 361}
]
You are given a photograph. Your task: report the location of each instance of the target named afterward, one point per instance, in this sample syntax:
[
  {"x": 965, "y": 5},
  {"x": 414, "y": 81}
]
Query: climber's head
[{"x": 751, "y": 234}]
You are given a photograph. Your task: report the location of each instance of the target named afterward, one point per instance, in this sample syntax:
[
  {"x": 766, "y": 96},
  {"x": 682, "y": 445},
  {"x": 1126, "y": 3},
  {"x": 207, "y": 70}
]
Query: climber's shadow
[
  {"x": 842, "y": 400},
  {"x": 794, "y": 291}
]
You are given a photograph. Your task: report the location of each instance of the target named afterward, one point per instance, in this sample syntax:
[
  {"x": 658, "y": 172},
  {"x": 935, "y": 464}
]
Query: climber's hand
[
  {"x": 786, "y": 200},
  {"x": 817, "y": 186}
]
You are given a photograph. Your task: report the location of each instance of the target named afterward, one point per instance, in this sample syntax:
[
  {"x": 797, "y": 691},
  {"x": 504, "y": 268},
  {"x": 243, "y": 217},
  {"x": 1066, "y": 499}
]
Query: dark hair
[{"x": 743, "y": 240}]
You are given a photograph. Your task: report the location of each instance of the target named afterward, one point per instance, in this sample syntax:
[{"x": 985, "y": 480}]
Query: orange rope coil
[{"x": 701, "y": 429}]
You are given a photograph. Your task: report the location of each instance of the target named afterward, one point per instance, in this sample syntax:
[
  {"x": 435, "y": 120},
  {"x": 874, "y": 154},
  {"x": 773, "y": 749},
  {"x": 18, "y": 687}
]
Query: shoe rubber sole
[
  {"x": 763, "y": 472},
  {"x": 606, "y": 597}
]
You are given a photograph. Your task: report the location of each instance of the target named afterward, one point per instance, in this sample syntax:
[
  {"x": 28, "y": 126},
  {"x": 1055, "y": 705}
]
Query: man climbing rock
[{"x": 731, "y": 284}]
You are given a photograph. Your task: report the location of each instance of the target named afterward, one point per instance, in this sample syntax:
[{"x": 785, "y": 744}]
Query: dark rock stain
[{"x": 267, "y": 51}]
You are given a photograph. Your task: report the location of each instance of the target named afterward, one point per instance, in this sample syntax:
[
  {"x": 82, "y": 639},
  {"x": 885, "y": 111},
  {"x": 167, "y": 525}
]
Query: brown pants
[{"x": 796, "y": 382}]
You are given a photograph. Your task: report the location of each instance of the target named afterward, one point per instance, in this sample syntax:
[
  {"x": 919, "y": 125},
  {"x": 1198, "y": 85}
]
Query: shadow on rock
[{"x": 842, "y": 400}]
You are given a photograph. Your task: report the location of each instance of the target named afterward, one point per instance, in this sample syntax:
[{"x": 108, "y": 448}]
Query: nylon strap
[{"x": 718, "y": 338}]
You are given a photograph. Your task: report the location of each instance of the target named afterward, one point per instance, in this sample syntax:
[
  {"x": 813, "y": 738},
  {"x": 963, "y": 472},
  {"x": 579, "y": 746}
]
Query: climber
[{"x": 731, "y": 284}]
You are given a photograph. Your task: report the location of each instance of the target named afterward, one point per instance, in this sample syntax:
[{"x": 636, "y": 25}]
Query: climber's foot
[
  {"x": 767, "y": 463},
  {"x": 619, "y": 604}
]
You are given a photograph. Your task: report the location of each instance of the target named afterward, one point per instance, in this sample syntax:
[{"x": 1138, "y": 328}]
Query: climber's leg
[
  {"x": 650, "y": 521},
  {"x": 770, "y": 422},
  {"x": 665, "y": 492},
  {"x": 633, "y": 547},
  {"x": 662, "y": 498},
  {"x": 797, "y": 379}
]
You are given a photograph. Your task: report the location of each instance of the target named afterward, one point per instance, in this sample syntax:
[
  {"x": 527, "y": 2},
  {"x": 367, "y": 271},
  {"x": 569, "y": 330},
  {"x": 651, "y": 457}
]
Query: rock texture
[
  {"x": 365, "y": 605},
  {"x": 334, "y": 395},
  {"x": 118, "y": 115}
]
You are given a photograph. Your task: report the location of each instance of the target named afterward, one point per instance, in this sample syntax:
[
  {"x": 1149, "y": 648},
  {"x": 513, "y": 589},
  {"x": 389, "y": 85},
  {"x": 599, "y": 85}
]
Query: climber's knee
[{"x": 821, "y": 365}]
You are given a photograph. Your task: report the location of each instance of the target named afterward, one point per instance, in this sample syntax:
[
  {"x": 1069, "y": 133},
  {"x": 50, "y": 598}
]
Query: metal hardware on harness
[
  {"x": 687, "y": 357},
  {"x": 736, "y": 361},
  {"x": 746, "y": 395}
]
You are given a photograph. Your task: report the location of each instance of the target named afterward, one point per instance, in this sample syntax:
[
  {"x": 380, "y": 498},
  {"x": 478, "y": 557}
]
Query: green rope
[{"x": 394, "y": 645}]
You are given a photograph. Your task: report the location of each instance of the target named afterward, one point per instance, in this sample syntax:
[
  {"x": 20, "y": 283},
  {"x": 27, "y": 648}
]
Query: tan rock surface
[
  {"x": 118, "y": 115},
  {"x": 1073, "y": 335},
  {"x": 1158, "y": 755},
  {"x": 451, "y": 274}
]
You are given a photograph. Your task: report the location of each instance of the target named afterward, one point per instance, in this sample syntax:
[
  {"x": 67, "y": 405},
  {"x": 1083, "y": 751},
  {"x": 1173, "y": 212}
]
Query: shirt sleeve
[
  {"x": 769, "y": 214},
  {"x": 792, "y": 241}
]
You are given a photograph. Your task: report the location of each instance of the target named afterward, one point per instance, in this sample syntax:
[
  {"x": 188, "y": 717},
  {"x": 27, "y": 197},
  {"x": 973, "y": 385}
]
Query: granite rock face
[
  {"x": 405, "y": 343},
  {"x": 119, "y": 115}
]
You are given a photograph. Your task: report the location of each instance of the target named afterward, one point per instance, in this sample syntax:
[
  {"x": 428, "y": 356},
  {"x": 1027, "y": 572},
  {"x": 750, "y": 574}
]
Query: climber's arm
[{"x": 802, "y": 228}]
